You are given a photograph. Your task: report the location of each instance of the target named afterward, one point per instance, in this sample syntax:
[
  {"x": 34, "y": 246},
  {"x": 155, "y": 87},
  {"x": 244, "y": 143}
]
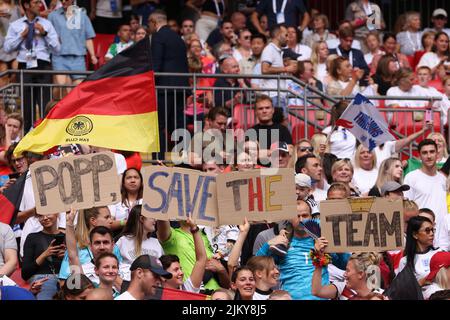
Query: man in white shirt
[
  {"x": 439, "y": 20},
  {"x": 272, "y": 62},
  {"x": 428, "y": 190},
  {"x": 146, "y": 273}
]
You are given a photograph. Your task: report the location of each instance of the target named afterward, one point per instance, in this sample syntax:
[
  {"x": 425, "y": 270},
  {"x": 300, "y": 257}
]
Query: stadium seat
[
  {"x": 412, "y": 62},
  {"x": 239, "y": 121},
  {"x": 298, "y": 125},
  {"x": 101, "y": 45}
]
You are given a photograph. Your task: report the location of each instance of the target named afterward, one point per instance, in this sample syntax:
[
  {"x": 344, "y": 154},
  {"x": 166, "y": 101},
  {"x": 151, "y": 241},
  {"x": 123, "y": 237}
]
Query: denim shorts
[{"x": 70, "y": 63}]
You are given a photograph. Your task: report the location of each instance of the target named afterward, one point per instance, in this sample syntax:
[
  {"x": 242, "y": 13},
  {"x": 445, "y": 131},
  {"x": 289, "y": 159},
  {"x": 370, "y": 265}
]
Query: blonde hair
[
  {"x": 442, "y": 139},
  {"x": 410, "y": 205},
  {"x": 385, "y": 172},
  {"x": 84, "y": 226},
  {"x": 316, "y": 140},
  {"x": 315, "y": 54},
  {"x": 441, "y": 278},
  {"x": 261, "y": 263},
  {"x": 339, "y": 164},
  {"x": 363, "y": 261},
  {"x": 358, "y": 152}
]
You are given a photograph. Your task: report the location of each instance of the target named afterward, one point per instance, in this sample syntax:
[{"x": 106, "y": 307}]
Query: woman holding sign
[
  {"x": 131, "y": 190},
  {"x": 360, "y": 277}
]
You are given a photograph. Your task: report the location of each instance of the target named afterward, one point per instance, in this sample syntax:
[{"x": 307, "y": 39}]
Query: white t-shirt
[
  {"x": 125, "y": 296},
  {"x": 421, "y": 264},
  {"x": 303, "y": 51},
  {"x": 120, "y": 211},
  {"x": 388, "y": 151},
  {"x": 188, "y": 286},
  {"x": 365, "y": 179},
  {"x": 414, "y": 92},
  {"x": 430, "y": 192},
  {"x": 427, "y": 291},
  {"x": 273, "y": 56},
  {"x": 321, "y": 72},
  {"x": 429, "y": 59},
  {"x": 150, "y": 246},
  {"x": 342, "y": 142}
]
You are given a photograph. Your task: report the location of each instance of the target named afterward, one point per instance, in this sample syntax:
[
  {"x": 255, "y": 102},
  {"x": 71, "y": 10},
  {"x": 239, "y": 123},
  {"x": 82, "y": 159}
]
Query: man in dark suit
[{"x": 169, "y": 54}]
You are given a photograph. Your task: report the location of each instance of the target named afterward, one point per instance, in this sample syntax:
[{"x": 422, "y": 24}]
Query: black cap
[
  {"x": 290, "y": 54},
  {"x": 151, "y": 263}
]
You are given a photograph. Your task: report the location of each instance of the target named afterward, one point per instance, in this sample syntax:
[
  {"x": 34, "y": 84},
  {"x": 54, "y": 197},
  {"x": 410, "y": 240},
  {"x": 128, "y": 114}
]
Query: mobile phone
[
  {"x": 14, "y": 175},
  {"x": 428, "y": 115},
  {"x": 59, "y": 239}
]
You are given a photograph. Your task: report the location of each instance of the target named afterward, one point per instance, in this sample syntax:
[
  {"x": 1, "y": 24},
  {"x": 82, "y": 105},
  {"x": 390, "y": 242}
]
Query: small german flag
[{"x": 115, "y": 107}]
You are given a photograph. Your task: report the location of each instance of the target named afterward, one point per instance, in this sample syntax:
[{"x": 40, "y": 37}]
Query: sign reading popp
[
  {"x": 79, "y": 182},
  {"x": 260, "y": 195},
  {"x": 363, "y": 224}
]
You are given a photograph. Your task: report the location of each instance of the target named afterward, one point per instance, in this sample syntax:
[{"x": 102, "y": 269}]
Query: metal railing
[{"x": 310, "y": 116}]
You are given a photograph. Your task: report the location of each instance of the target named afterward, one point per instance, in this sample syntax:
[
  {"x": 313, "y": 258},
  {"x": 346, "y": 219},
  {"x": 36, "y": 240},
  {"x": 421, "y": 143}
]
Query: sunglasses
[
  {"x": 303, "y": 149},
  {"x": 429, "y": 230}
]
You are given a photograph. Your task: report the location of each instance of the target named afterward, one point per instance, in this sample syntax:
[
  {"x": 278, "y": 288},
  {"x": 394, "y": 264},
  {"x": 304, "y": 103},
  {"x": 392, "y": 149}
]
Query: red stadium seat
[
  {"x": 417, "y": 56},
  {"x": 298, "y": 125},
  {"x": 101, "y": 45},
  {"x": 239, "y": 120},
  {"x": 412, "y": 62}
]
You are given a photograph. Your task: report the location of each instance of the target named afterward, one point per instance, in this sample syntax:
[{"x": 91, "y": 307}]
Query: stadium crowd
[{"x": 118, "y": 253}]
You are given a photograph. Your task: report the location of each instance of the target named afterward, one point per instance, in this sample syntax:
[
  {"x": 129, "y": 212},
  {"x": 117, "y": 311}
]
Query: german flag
[
  {"x": 10, "y": 201},
  {"x": 115, "y": 107}
]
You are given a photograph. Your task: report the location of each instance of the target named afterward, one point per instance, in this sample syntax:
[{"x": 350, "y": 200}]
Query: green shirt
[
  {"x": 181, "y": 244},
  {"x": 414, "y": 164}
]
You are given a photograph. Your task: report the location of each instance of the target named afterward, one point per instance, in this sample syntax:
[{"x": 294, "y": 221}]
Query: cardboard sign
[
  {"x": 260, "y": 195},
  {"x": 176, "y": 193},
  {"x": 76, "y": 181},
  {"x": 362, "y": 224}
]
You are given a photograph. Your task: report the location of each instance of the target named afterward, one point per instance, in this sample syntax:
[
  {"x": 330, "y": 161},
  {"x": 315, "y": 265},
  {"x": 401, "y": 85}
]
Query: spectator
[
  {"x": 281, "y": 12},
  {"x": 222, "y": 294},
  {"x": 428, "y": 190},
  {"x": 365, "y": 16},
  {"x": 354, "y": 56},
  {"x": 389, "y": 170},
  {"x": 305, "y": 72},
  {"x": 243, "y": 52},
  {"x": 392, "y": 190},
  {"x": 310, "y": 165},
  {"x": 136, "y": 238},
  {"x": 141, "y": 32},
  {"x": 439, "y": 20},
  {"x": 42, "y": 256},
  {"x": 405, "y": 87},
  {"x": 115, "y": 48},
  {"x": 293, "y": 43},
  {"x": 266, "y": 127},
  {"x": 342, "y": 171},
  {"x": 372, "y": 42},
  {"x": 440, "y": 55},
  {"x": 410, "y": 38},
  {"x": 442, "y": 148},
  {"x": 418, "y": 248},
  {"x": 390, "y": 47},
  {"x": 187, "y": 27},
  {"x": 366, "y": 170},
  {"x": 280, "y": 295},
  {"x": 334, "y": 43},
  {"x": 266, "y": 276},
  {"x": 106, "y": 15},
  {"x": 171, "y": 264},
  {"x": 225, "y": 34},
  {"x": 344, "y": 78},
  {"x": 279, "y": 155},
  {"x": 146, "y": 275},
  {"x": 384, "y": 76},
  {"x": 319, "y": 57},
  {"x": 168, "y": 55},
  {"x": 71, "y": 292},
  {"x": 41, "y": 40},
  {"x": 107, "y": 270},
  {"x": 173, "y": 25},
  {"x": 321, "y": 32},
  {"x": 356, "y": 285},
  {"x": 338, "y": 190},
  {"x": 258, "y": 44},
  {"x": 243, "y": 283},
  {"x": 272, "y": 63},
  {"x": 14, "y": 125},
  {"x": 439, "y": 274},
  {"x": 342, "y": 142},
  {"x": 427, "y": 42},
  {"x": 9, "y": 12},
  {"x": 320, "y": 144},
  {"x": 75, "y": 41},
  {"x": 131, "y": 190},
  {"x": 8, "y": 250},
  {"x": 212, "y": 12},
  {"x": 229, "y": 98}
]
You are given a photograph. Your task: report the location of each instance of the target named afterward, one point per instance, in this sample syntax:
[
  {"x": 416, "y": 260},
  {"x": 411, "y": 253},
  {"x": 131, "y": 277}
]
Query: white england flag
[{"x": 365, "y": 122}]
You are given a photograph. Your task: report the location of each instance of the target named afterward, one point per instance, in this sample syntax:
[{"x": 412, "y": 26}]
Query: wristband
[
  {"x": 318, "y": 260},
  {"x": 197, "y": 229}
]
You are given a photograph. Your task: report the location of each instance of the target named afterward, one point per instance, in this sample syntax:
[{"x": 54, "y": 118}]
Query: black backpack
[{"x": 405, "y": 286}]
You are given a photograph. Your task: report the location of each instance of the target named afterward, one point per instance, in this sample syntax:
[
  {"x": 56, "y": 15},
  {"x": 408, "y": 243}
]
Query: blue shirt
[
  {"x": 42, "y": 46},
  {"x": 73, "y": 41},
  {"x": 84, "y": 255},
  {"x": 296, "y": 268},
  {"x": 293, "y": 10}
]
